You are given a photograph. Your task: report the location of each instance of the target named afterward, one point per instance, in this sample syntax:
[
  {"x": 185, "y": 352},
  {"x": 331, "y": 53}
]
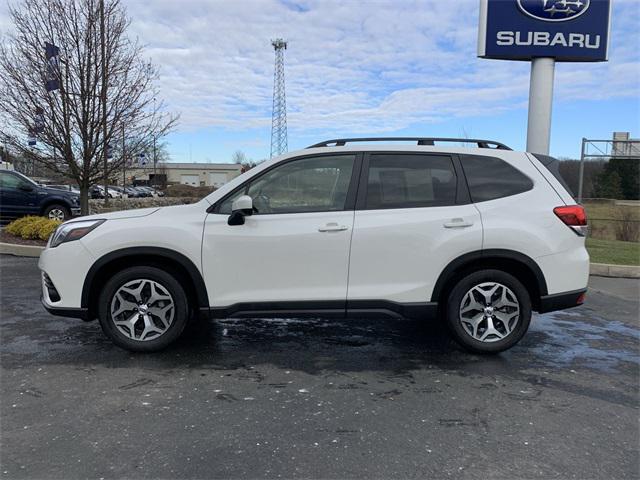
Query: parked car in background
[
  {"x": 120, "y": 190},
  {"x": 480, "y": 236},
  {"x": 20, "y": 196},
  {"x": 142, "y": 192},
  {"x": 114, "y": 192},
  {"x": 132, "y": 192},
  {"x": 96, "y": 192},
  {"x": 152, "y": 191}
]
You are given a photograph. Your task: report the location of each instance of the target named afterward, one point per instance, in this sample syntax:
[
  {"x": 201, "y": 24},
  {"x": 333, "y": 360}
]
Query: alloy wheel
[
  {"x": 489, "y": 312},
  {"x": 56, "y": 214},
  {"x": 142, "y": 309}
]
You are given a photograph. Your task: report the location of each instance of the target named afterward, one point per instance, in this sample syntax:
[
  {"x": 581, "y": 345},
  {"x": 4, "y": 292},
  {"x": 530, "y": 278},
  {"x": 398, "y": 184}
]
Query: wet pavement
[{"x": 321, "y": 399}]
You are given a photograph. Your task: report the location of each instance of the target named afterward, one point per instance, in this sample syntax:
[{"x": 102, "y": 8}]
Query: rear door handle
[
  {"x": 332, "y": 227},
  {"x": 457, "y": 223}
]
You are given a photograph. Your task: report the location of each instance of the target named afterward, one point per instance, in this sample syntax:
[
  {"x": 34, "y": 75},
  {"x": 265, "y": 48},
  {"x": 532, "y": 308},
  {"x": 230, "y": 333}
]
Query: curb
[
  {"x": 615, "y": 271},
  {"x": 20, "y": 250}
]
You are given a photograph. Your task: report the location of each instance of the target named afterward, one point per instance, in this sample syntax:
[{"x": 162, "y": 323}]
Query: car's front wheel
[
  {"x": 143, "y": 309},
  {"x": 488, "y": 311}
]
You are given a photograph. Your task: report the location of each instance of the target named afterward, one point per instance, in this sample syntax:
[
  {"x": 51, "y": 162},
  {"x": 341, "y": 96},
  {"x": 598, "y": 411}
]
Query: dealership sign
[{"x": 566, "y": 30}]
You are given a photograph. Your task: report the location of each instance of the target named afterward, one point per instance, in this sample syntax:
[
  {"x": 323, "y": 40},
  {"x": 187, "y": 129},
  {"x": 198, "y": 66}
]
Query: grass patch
[{"x": 613, "y": 252}]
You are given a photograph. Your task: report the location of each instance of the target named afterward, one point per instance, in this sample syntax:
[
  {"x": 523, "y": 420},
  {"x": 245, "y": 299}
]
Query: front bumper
[
  {"x": 82, "y": 313},
  {"x": 561, "y": 301},
  {"x": 64, "y": 269}
]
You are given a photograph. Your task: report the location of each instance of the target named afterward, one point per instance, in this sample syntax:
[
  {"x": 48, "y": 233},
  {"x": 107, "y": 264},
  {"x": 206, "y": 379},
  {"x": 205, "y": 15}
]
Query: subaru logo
[{"x": 554, "y": 10}]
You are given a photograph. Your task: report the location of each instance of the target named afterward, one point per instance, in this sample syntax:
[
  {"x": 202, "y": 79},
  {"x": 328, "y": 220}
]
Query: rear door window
[
  {"x": 490, "y": 178},
  {"x": 410, "y": 181}
]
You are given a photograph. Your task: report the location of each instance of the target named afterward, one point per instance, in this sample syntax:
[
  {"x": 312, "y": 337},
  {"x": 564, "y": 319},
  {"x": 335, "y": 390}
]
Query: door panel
[
  {"x": 398, "y": 254},
  {"x": 271, "y": 258},
  {"x": 413, "y": 217},
  {"x": 295, "y": 245}
]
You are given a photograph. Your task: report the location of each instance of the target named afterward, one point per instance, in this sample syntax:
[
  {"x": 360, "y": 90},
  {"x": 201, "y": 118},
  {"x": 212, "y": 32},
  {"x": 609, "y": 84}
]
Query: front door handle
[
  {"x": 457, "y": 223},
  {"x": 332, "y": 227}
]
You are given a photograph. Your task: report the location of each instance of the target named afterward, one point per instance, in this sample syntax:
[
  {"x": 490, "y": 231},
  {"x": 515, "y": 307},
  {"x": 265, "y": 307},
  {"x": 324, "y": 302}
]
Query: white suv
[{"x": 481, "y": 236}]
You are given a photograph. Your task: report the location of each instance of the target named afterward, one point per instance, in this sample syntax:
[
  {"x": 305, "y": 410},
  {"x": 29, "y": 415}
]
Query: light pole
[
  {"x": 154, "y": 150},
  {"x": 124, "y": 163},
  {"x": 154, "y": 162}
]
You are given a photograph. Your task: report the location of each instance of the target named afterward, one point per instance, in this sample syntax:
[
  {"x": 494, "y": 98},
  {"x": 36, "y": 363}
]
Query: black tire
[
  {"x": 465, "y": 338},
  {"x": 169, "y": 283},
  {"x": 57, "y": 211}
]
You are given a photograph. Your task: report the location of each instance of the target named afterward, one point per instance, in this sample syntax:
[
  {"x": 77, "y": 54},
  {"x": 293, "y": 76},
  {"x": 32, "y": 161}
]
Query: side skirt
[{"x": 326, "y": 309}]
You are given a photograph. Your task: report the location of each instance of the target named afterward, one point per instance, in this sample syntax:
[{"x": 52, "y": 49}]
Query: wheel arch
[
  {"x": 117, "y": 260},
  {"x": 517, "y": 264},
  {"x": 55, "y": 201}
]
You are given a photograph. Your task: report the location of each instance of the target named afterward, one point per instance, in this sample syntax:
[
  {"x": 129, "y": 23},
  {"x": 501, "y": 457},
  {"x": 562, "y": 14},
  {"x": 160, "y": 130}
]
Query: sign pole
[{"x": 540, "y": 100}]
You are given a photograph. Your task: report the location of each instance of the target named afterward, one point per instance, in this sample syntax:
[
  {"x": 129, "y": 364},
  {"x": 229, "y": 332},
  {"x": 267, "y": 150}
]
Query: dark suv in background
[{"x": 20, "y": 196}]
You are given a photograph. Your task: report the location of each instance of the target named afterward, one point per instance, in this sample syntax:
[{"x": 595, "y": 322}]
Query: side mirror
[
  {"x": 26, "y": 188},
  {"x": 240, "y": 208}
]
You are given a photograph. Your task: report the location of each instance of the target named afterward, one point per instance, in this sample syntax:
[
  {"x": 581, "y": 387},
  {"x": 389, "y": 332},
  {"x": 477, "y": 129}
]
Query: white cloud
[{"x": 351, "y": 65}]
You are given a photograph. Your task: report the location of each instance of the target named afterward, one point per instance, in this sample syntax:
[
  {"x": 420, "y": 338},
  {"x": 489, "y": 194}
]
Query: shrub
[
  {"x": 627, "y": 227},
  {"x": 15, "y": 227},
  {"x": 32, "y": 227}
]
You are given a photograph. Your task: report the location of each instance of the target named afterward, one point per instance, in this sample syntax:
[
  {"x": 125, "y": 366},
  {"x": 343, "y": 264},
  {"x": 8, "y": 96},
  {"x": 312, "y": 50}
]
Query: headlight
[{"x": 68, "y": 232}]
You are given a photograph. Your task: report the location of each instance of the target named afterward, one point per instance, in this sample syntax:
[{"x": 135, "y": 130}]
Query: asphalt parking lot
[{"x": 321, "y": 399}]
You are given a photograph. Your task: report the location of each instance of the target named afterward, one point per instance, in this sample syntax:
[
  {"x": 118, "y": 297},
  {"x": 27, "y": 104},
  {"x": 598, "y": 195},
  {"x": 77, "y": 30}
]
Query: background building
[
  {"x": 194, "y": 174},
  {"x": 625, "y": 146}
]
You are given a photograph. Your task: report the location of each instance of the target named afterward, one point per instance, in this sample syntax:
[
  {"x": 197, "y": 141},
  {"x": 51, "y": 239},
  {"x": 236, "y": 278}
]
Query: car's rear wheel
[
  {"x": 57, "y": 212},
  {"x": 143, "y": 309},
  {"x": 488, "y": 311}
]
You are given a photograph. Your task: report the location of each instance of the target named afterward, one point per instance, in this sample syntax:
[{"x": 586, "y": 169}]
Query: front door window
[{"x": 317, "y": 184}]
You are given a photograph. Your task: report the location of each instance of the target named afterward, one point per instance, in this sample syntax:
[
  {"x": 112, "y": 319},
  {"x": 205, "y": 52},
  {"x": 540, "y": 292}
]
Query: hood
[
  {"x": 59, "y": 191},
  {"x": 140, "y": 212}
]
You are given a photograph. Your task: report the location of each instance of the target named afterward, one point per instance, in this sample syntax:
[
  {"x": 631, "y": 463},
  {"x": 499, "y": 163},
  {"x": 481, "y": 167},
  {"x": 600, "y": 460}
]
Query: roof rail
[{"x": 340, "y": 142}]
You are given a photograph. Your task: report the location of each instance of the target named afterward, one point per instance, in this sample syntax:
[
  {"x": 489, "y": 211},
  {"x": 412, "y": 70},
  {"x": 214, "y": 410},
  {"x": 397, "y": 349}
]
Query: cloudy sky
[{"x": 356, "y": 68}]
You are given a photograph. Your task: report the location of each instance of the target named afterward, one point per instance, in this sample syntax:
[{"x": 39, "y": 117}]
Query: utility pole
[
  {"x": 279, "y": 115},
  {"x": 103, "y": 99}
]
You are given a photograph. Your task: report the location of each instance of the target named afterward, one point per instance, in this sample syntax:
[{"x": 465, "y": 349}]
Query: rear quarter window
[
  {"x": 553, "y": 165},
  {"x": 489, "y": 178}
]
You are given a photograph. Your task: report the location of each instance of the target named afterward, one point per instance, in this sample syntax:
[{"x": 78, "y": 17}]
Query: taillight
[{"x": 574, "y": 217}]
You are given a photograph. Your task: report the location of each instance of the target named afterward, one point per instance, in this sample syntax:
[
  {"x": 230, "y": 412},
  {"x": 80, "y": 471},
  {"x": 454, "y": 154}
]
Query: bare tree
[
  {"x": 239, "y": 157},
  {"x": 75, "y": 133},
  {"x": 247, "y": 163}
]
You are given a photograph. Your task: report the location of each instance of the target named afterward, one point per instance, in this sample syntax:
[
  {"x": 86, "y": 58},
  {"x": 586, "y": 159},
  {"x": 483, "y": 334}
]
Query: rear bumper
[{"x": 560, "y": 301}]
